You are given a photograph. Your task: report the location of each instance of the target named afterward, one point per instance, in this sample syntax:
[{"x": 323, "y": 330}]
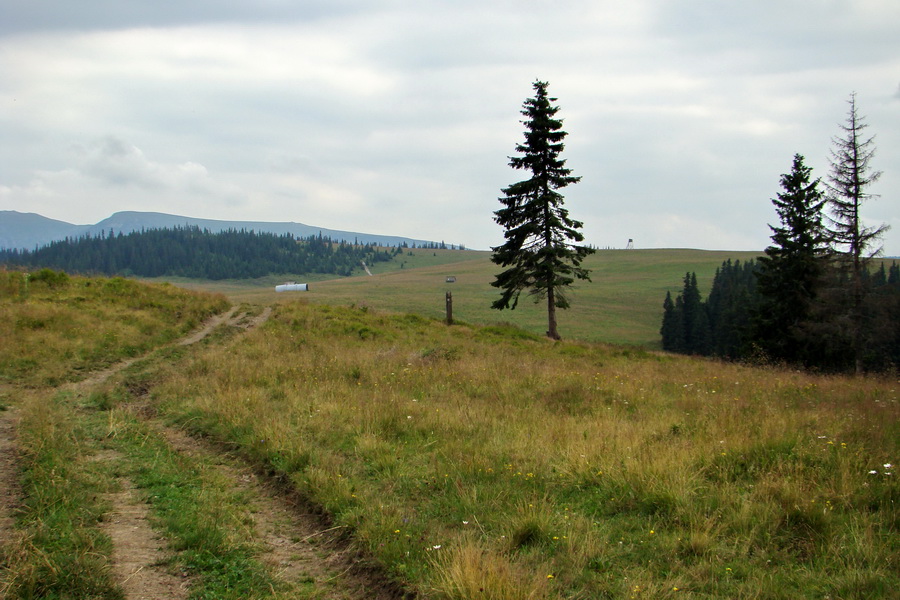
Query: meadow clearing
[
  {"x": 621, "y": 305},
  {"x": 469, "y": 461}
]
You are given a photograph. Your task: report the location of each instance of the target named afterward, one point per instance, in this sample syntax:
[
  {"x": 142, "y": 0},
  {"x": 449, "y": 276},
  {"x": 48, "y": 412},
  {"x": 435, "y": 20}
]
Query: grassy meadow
[
  {"x": 487, "y": 462},
  {"x": 471, "y": 461},
  {"x": 59, "y": 328},
  {"x": 622, "y": 304}
]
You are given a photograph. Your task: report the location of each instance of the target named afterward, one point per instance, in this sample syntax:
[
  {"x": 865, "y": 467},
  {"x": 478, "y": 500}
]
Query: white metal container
[{"x": 292, "y": 287}]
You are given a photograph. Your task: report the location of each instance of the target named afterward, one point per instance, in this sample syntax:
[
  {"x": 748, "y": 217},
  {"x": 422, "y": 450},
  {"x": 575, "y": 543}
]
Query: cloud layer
[{"x": 398, "y": 118}]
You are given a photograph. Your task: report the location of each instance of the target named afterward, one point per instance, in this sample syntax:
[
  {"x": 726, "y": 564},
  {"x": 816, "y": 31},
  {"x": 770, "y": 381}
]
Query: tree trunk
[{"x": 551, "y": 316}]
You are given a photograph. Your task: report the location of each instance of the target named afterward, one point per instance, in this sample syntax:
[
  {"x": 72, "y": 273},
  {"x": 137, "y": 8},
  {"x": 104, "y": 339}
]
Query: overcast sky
[{"x": 398, "y": 117}]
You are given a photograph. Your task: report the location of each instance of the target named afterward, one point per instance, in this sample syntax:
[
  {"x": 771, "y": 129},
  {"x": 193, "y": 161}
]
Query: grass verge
[{"x": 59, "y": 550}]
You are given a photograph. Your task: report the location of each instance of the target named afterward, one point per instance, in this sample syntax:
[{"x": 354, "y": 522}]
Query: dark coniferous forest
[
  {"x": 195, "y": 253},
  {"x": 734, "y": 321},
  {"x": 816, "y": 299}
]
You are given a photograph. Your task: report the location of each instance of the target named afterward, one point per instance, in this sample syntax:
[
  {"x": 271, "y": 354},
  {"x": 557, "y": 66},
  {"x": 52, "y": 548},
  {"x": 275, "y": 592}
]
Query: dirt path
[
  {"x": 208, "y": 327},
  {"x": 299, "y": 545},
  {"x": 138, "y": 549},
  {"x": 231, "y": 317},
  {"x": 10, "y": 491}
]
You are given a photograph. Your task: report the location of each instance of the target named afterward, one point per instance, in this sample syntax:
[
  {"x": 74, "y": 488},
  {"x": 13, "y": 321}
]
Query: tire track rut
[
  {"x": 10, "y": 490},
  {"x": 138, "y": 549},
  {"x": 298, "y": 545}
]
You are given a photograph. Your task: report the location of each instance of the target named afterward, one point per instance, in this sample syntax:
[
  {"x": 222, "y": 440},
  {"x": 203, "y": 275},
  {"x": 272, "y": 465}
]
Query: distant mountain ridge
[{"x": 30, "y": 230}]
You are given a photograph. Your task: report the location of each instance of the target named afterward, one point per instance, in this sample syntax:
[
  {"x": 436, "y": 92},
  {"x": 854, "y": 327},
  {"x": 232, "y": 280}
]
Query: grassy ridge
[
  {"x": 622, "y": 304},
  {"x": 488, "y": 462},
  {"x": 57, "y": 331}
]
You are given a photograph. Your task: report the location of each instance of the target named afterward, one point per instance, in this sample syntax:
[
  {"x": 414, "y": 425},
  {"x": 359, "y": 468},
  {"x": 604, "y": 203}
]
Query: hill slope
[
  {"x": 28, "y": 230},
  {"x": 658, "y": 476},
  {"x": 622, "y": 303}
]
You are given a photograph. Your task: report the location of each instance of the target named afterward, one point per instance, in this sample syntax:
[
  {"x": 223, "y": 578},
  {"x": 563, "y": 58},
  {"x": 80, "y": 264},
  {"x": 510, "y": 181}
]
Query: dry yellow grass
[{"x": 616, "y": 471}]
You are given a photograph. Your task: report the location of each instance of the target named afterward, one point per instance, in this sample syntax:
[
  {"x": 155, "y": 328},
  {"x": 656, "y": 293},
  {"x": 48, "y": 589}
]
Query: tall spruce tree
[
  {"x": 695, "y": 319},
  {"x": 848, "y": 189},
  {"x": 790, "y": 273},
  {"x": 731, "y": 301},
  {"x": 538, "y": 251},
  {"x": 672, "y": 329}
]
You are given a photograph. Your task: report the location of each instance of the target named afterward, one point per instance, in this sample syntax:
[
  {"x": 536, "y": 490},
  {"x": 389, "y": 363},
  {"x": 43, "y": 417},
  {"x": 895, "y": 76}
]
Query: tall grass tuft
[
  {"x": 59, "y": 551},
  {"x": 471, "y": 571}
]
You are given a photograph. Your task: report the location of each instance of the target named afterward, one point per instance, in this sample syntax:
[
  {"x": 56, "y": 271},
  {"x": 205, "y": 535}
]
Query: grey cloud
[
  {"x": 56, "y": 15},
  {"x": 116, "y": 162},
  {"x": 782, "y": 36},
  {"x": 385, "y": 114}
]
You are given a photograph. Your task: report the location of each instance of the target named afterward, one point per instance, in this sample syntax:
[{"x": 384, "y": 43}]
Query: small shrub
[{"x": 49, "y": 277}]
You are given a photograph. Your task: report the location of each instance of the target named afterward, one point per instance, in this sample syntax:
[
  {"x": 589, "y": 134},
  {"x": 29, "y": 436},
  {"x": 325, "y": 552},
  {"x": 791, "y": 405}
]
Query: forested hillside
[{"x": 195, "y": 253}]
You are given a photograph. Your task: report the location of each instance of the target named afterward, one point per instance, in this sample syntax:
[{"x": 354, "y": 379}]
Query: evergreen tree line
[
  {"x": 814, "y": 299},
  {"x": 737, "y": 321},
  {"x": 201, "y": 254},
  {"x": 434, "y": 246}
]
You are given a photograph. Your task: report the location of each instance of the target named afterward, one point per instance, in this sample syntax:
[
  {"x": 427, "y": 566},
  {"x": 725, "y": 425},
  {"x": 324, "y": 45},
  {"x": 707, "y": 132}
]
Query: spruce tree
[
  {"x": 731, "y": 301},
  {"x": 790, "y": 273},
  {"x": 672, "y": 330},
  {"x": 880, "y": 277},
  {"x": 696, "y": 320},
  {"x": 848, "y": 189},
  {"x": 538, "y": 251}
]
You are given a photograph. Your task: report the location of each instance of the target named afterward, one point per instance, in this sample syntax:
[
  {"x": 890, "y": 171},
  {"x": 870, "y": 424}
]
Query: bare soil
[
  {"x": 10, "y": 491},
  {"x": 138, "y": 550}
]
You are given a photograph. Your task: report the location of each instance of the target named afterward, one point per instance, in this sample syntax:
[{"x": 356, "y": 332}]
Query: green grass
[
  {"x": 491, "y": 459},
  {"x": 60, "y": 551},
  {"x": 474, "y": 461},
  {"x": 622, "y": 304},
  {"x": 56, "y": 333}
]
